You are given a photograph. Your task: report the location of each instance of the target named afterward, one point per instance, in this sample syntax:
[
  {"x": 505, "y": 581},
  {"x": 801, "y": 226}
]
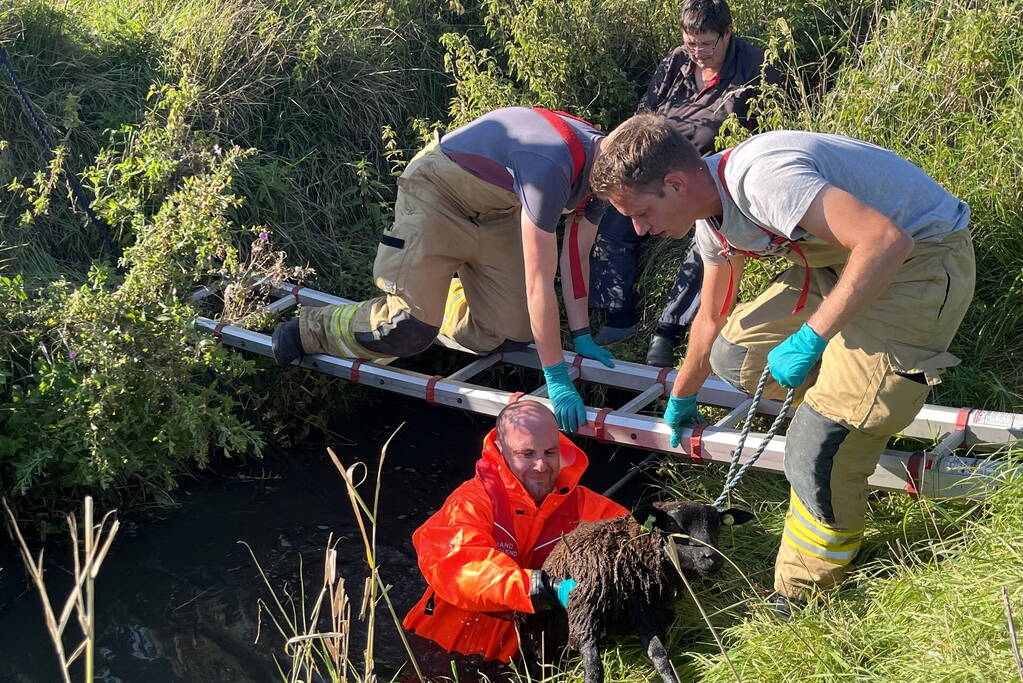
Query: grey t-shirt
[
  {"x": 519, "y": 150},
  {"x": 774, "y": 177}
]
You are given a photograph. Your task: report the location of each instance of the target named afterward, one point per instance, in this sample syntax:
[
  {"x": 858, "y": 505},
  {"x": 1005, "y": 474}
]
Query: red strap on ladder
[
  {"x": 577, "y": 363},
  {"x": 728, "y": 249},
  {"x": 599, "y": 430},
  {"x": 662, "y": 379},
  {"x": 696, "y": 441},
  {"x": 963, "y": 418},
  {"x": 294, "y": 292},
  {"x": 353, "y": 372},
  {"x": 431, "y": 392},
  {"x": 915, "y": 469},
  {"x": 218, "y": 331}
]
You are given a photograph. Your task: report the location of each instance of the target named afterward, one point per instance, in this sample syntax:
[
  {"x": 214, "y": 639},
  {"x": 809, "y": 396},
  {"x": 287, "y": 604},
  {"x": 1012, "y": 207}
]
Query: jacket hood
[{"x": 573, "y": 465}]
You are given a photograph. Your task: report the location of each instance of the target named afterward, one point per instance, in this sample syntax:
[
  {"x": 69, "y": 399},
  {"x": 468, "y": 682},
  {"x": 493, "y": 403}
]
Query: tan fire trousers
[
  {"x": 447, "y": 222},
  {"x": 871, "y": 382}
]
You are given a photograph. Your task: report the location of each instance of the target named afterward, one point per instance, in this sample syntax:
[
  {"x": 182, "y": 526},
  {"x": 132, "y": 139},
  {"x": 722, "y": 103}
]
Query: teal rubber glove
[
  {"x": 585, "y": 346},
  {"x": 792, "y": 360},
  {"x": 565, "y": 587},
  {"x": 568, "y": 404},
  {"x": 679, "y": 413}
]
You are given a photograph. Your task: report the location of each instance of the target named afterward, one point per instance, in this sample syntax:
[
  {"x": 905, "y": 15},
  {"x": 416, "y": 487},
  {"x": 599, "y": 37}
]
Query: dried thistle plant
[{"x": 247, "y": 290}]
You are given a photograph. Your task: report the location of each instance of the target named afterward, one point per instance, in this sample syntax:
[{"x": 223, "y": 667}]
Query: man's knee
[
  {"x": 811, "y": 443},
  {"x": 726, "y": 360},
  {"x": 401, "y": 337}
]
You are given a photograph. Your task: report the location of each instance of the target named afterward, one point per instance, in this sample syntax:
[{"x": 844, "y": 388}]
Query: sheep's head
[{"x": 694, "y": 527}]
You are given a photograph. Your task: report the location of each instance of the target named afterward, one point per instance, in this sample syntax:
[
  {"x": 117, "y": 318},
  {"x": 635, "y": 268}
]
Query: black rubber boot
[
  {"x": 782, "y": 607},
  {"x": 662, "y": 352},
  {"x": 286, "y": 342}
]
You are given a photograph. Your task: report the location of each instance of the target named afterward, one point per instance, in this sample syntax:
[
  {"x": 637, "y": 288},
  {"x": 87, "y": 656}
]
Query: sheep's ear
[
  {"x": 735, "y": 517},
  {"x": 649, "y": 517}
]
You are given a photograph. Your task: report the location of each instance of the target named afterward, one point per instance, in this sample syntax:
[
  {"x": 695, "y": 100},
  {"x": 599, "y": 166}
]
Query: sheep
[{"x": 626, "y": 579}]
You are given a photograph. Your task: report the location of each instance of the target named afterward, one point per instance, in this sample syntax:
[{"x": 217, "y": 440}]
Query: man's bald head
[
  {"x": 528, "y": 438},
  {"x": 524, "y": 414}
]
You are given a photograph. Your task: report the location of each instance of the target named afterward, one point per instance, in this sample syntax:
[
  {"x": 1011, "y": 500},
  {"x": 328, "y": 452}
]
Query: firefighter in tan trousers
[
  {"x": 472, "y": 253},
  {"x": 883, "y": 274}
]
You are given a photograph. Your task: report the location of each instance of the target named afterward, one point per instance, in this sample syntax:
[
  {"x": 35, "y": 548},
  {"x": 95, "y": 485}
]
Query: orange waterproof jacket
[{"x": 473, "y": 586}]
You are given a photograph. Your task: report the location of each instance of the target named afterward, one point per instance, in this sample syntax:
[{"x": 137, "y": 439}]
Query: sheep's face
[{"x": 695, "y": 528}]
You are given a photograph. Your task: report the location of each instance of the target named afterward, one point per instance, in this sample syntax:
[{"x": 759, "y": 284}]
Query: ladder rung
[
  {"x": 474, "y": 368},
  {"x": 645, "y": 398},
  {"x": 736, "y": 416}
]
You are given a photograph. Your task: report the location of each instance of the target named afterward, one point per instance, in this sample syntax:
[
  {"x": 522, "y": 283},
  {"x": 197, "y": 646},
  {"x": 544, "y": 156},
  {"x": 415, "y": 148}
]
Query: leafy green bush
[{"x": 109, "y": 385}]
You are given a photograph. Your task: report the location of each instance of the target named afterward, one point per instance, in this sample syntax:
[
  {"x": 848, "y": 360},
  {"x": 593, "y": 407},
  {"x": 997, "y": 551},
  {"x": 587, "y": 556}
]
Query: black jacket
[{"x": 698, "y": 115}]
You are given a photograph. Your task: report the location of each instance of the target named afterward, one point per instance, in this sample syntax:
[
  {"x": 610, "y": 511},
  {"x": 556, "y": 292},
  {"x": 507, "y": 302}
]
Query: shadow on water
[{"x": 177, "y": 596}]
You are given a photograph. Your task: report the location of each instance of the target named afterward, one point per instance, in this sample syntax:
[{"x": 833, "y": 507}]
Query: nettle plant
[{"x": 110, "y": 387}]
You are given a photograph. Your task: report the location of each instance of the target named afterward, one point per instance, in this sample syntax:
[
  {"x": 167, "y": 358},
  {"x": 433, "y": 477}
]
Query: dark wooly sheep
[{"x": 625, "y": 580}]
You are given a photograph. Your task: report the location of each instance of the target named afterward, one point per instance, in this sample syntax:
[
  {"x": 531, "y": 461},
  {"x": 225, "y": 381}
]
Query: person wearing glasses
[{"x": 712, "y": 74}]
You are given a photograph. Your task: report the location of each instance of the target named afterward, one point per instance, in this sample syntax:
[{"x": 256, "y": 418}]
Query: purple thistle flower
[
  {"x": 72, "y": 355},
  {"x": 264, "y": 236}
]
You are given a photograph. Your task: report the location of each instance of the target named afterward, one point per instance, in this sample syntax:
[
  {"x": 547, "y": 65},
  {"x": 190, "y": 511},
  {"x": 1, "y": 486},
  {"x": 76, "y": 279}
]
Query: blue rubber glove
[
  {"x": 568, "y": 404},
  {"x": 585, "y": 346},
  {"x": 792, "y": 360},
  {"x": 681, "y": 412},
  {"x": 565, "y": 587}
]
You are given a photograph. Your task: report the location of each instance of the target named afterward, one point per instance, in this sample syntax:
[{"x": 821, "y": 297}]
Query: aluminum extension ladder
[{"x": 938, "y": 471}]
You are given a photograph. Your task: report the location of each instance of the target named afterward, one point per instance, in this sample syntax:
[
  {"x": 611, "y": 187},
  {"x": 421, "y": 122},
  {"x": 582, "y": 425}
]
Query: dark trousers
[{"x": 614, "y": 270}]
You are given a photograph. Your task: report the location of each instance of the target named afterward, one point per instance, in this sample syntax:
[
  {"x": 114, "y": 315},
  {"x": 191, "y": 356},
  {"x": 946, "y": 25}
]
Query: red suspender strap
[
  {"x": 575, "y": 145},
  {"x": 574, "y": 263},
  {"x": 599, "y": 431},
  {"x": 726, "y": 250},
  {"x": 353, "y": 372},
  {"x": 775, "y": 239},
  {"x": 806, "y": 278},
  {"x": 431, "y": 389},
  {"x": 696, "y": 441},
  {"x": 578, "y": 152},
  {"x": 662, "y": 379},
  {"x": 963, "y": 419}
]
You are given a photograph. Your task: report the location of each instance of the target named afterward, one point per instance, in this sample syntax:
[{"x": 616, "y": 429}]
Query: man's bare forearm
[
  {"x": 869, "y": 271},
  {"x": 695, "y": 367}
]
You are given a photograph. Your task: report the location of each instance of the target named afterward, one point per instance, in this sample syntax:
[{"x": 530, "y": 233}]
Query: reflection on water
[{"x": 177, "y": 596}]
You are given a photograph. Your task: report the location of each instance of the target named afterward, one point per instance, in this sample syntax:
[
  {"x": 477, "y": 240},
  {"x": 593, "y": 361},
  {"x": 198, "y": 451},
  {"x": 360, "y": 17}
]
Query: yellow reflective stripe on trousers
[
  {"x": 825, "y": 533},
  {"x": 808, "y": 535},
  {"x": 342, "y": 334},
  {"x": 449, "y": 309}
]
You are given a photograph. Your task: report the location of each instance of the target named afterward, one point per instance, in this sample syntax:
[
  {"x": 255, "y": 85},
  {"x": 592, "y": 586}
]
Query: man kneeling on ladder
[
  {"x": 482, "y": 204},
  {"x": 884, "y": 272},
  {"x": 481, "y": 552}
]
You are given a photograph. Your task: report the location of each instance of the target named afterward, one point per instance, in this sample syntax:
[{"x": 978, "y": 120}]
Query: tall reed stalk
[{"x": 88, "y": 556}]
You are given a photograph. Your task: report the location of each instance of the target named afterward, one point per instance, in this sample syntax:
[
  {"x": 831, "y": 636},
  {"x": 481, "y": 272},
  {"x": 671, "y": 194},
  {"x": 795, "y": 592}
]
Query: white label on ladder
[{"x": 995, "y": 419}]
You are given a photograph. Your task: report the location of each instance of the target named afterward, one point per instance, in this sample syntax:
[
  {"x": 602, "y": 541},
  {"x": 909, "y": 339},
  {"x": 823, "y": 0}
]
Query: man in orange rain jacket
[{"x": 481, "y": 552}]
